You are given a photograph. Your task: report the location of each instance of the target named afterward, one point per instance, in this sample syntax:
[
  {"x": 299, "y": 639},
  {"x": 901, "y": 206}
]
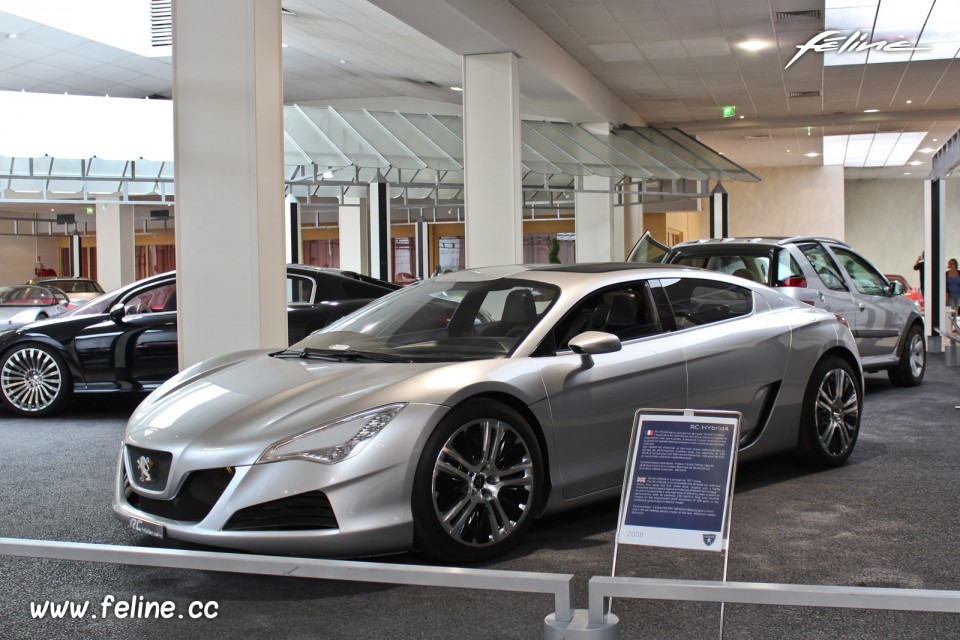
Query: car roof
[{"x": 757, "y": 241}]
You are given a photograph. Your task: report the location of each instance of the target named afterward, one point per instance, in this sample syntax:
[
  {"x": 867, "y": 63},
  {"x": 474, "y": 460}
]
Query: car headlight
[{"x": 333, "y": 441}]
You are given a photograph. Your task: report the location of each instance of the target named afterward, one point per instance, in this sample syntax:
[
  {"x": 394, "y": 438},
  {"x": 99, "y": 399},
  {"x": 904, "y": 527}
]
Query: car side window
[
  {"x": 694, "y": 302},
  {"x": 627, "y": 311},
  {"x": 299, "y": 289},
  {"x": 824, "y": 265},
  {"x": 787, "y": 269},
  {"x": 155, "y": 300},
  {"x": 865, "y": 277}
]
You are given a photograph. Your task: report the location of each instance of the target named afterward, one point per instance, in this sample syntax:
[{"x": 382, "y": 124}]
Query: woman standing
[{"x": 953, "y": 284}]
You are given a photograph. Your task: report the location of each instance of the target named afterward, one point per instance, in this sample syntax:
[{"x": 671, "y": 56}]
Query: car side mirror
[
  {"x": 591, "y": 343},
  {"x": 896, "y": 288},
  {"x": 118, "y": 312}
]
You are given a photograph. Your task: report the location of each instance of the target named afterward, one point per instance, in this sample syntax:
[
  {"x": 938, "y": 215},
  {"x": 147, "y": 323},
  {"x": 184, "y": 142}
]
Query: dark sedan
[{"x": 126, "y": 340}]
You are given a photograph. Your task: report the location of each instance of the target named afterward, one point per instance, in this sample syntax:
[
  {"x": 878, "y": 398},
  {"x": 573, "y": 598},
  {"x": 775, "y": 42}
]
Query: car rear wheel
[
  {"x": 34, "y": 380},
  {"x": 830, "y": 418},
  {"x": 477, "y": 484},
  {"x": 913, "y": 360}
]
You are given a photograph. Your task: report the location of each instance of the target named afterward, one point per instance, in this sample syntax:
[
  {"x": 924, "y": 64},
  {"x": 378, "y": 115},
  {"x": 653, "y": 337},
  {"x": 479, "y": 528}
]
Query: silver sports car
[{"x": 448, "y": 415}]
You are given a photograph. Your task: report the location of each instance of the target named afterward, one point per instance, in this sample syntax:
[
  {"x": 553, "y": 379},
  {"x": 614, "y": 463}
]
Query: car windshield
[
  {"x": 439, "y": 320},
  {"x": 100, "y": 304},
  {"x": 28, "y": 296}
]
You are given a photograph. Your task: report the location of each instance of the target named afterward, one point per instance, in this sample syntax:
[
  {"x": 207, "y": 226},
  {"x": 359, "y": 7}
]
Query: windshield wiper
[{"x": 338, "y": 355}]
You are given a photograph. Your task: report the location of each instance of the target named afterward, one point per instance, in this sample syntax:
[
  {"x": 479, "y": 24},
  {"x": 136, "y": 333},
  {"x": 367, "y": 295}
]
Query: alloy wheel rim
[
  {"x": 916, "y": 355},
  {"x": 31, "y": 379},
  {"x": 837, "y": 412},
  {"x": 483, "y": 483}
]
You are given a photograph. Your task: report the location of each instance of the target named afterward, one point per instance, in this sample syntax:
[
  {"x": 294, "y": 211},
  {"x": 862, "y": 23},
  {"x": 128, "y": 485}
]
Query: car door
[
  {"x": 593, "y": 408},
  {"x": 879, "y": 318},
  {"x": 735, "y": 355},
  {"x": 828, "y": 288}
]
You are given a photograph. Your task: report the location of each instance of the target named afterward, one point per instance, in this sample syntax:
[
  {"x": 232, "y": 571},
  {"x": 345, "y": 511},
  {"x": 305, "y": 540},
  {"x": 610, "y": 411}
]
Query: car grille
[
  {"x": 305, "y": 511},
  {"x": 157, "y": 468},
  {"x": 200, "y": 491}
]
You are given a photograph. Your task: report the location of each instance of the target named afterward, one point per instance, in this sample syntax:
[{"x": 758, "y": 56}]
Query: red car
[{"x": 912, "y": 293}]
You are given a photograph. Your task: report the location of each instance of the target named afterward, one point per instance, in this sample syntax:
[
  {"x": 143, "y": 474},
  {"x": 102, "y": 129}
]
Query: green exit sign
[
  {"x": 729, "y": 112},
  {"x": 90, "y": 211}
]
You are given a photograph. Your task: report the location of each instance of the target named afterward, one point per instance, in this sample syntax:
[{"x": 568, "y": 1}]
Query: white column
[
  {"x": 116, "y": 256},
  {"x": 935, "y": 263},
  {"x": 598, "y": 233},
  {"x": 633, "y": 220},
  {"x": 228, "y": 123},
  {"x": 354, "y": 237},
  {"x": 719, "y": 212},
  {"x": 76, "y": 250},
  {"x": 493, "y": 195},
  {"x": 293, "y": 232}
]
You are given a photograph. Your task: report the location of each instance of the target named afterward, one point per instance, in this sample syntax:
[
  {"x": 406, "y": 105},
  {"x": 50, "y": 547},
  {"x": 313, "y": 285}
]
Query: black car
[{"x": 126, "y": 340}]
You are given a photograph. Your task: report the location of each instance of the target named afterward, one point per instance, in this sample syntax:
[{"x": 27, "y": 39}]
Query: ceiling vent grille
[
  {"x": 789, "y": 16},
  {"x": 803, "y": 94},
  {"x": 161, "y": 23}
]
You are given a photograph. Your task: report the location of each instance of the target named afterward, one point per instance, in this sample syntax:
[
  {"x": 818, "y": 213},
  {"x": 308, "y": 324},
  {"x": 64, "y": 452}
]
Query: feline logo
[
  {"x": 144, "y": 464},
  {"x": 856, "y": 43}
]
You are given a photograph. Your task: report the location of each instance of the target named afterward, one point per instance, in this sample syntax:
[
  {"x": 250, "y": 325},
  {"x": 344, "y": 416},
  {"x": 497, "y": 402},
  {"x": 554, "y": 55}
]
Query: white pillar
[
  {"x": 719, "y": 212},
  {"x": 633, "y": 219},
  {"x": 935, "y": 262},
  {"x": 76, "y": 250},
  {"x": 598, "y": 233},
  {"x": 493, "y": 196},
  {"x": 354, "y": 237},
  {"x": 116, "y": 256},
  {"x": 423, "y": 249},
  {"x": 228, "y": 124},
  {"x": 293, "y": 232}
]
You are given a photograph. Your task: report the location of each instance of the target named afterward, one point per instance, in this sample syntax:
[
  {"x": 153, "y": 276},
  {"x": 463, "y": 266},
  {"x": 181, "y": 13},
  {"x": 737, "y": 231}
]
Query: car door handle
[
  {"x": 862, "y": 306},
  {"x": 821, "y": 296}
]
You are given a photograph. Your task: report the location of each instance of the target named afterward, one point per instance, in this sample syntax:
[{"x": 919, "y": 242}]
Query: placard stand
[{"x": 678, "y": 483}]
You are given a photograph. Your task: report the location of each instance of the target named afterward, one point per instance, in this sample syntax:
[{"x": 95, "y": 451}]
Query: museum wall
[
  {"x": 884, "y": 221},
  {"x": 788, "y": 201},
  {"x": 19, "y": 255}
]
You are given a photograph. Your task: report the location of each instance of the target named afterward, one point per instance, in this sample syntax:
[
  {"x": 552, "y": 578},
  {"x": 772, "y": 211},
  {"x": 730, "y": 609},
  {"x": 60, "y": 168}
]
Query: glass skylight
[
  {"x": 124, "y": 24},
  {"x": 871, "y": 150},
  {"x": 930, "y": 25}
]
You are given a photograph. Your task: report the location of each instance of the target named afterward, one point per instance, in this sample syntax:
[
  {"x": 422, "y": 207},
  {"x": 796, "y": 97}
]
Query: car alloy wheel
[
  {"x": 909, "y": 370},
  {"x": 830, "y": 419},
  {"x": 33, "y": 380},
  {"x": 478, "y": 483}
]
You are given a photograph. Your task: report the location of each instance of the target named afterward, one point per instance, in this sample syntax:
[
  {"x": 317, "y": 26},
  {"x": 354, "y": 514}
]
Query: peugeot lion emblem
[
  {"x": 144, "y": 464},
  {"x": 708, "y": 538}
]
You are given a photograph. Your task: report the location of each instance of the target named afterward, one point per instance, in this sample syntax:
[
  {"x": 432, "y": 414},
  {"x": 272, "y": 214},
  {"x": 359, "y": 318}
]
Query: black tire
[
  {"x": 465, "y": 508},
  {"x": 34, "y": 380},
  {"x": 830, "y": 417},
  {"x": 913, "y": 360}
]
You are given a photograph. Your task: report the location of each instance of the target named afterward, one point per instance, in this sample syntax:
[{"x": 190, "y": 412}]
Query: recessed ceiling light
[
  {"x": 742, "y": 117},
  {"x": 915, "y": 163},
  {"x": 753, "y": 45},
  {"x": 456, "y": 88},
  {"x": 871, "y": 110},
  {"x": 812, "y": 154},
  {"x": 12, "y": 36},
  {"x": 907, "y": 173},
  {"x": 934, "y": 139},
  {"x": 788, "y": 150},
  {"x": 909, "y": 101},
  {"x": 926, "y": 149},
  {"x": 342, "y": 61}
]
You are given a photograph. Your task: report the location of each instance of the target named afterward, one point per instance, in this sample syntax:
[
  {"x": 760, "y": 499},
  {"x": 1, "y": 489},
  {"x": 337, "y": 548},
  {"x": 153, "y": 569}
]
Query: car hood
[{"x": 240, "y": 409}]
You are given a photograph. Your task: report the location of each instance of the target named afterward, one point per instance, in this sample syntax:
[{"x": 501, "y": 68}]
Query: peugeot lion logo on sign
[
  {"x": 709, "y": 539},
  {"x": 144, "y": 464}
]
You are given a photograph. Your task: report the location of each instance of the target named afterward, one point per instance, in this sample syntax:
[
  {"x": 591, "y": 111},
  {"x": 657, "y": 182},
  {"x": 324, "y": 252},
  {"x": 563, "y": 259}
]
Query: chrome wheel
[
  {"x": 837, "y": 412},
  {"x": 31, "y": 380},
  {"x": 483, "y": 483},
  {"x": 917, "y": 354}
]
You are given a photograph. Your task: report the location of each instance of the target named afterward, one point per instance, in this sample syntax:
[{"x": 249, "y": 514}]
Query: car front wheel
[
  {"x": 34, "y": 380},
  {"x": 830, "y": 417},
  {"x": 913, "y": 360},
  {"x": 477, "y": 484}
]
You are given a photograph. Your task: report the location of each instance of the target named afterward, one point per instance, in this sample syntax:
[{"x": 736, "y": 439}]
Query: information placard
[{"x": 678, "y": 484}]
